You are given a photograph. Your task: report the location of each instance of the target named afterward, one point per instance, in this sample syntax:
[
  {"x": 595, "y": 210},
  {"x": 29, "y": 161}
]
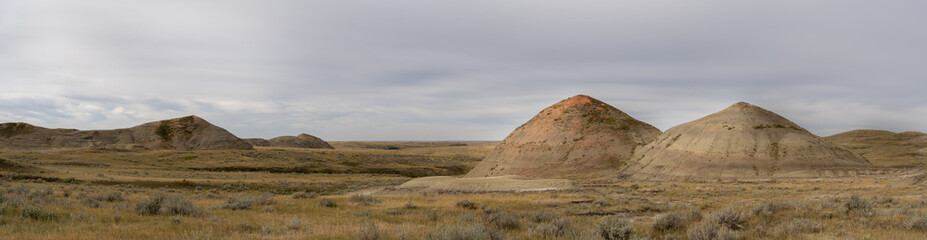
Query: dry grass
[{"x": 75, "y": 202}]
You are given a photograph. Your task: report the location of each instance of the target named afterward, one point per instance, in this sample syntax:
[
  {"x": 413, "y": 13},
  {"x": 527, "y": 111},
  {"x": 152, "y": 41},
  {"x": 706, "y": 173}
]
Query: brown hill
[
  {"x": 741, "y": 142},
  {"x": 257, "y": 142},
  {"x": 885, "y": 148},
  {"x": 186, "y": 133},
  {"x": 577, "y": 138},
  {"x": 301, "y": 141}
]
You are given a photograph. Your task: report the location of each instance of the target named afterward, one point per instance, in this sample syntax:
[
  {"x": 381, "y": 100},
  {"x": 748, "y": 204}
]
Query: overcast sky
[{"x": 457, "y": 70}]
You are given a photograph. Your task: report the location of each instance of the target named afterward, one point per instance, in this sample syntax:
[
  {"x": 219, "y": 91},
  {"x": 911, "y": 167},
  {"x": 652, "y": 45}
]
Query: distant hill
[
  {"x": 885, "y": 148},
  {"x": 300, "y": 141},
  {"x": 577, "y": 138},
  {"x": 185, "y": 133},
  {"x": 742, "y": 141}
]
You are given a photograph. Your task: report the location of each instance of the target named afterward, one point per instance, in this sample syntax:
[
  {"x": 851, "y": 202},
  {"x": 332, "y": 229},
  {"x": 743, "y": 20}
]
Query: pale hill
[
  {"x": 186, "y": 133},
  {"x": 885, "y": 148},
  {"x": 577, "y": 138},
  {"x": 257, "y": 142},
  {"x": 301, "y": 141},
  {"x": 741, "y": 142}
]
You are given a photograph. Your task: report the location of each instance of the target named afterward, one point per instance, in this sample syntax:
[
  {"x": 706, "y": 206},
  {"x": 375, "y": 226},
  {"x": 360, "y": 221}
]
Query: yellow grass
[{"x": 139, "y": 175}]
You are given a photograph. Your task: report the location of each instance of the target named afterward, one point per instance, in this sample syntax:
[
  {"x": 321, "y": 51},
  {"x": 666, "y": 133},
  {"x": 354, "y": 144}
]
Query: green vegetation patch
[
  {"x": 777, "y": 125},
  {"x": 164, "y": 130}
]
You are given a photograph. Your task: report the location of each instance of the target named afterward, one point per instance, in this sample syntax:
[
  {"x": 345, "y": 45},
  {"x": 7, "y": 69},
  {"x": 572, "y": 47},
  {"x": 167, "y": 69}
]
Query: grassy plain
[{"x": 285, "y": 193}]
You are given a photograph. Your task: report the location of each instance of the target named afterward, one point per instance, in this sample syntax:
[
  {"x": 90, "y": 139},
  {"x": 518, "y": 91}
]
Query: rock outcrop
[
  {"x": 741, "y": 142},
  {"x": 577, "y": 138}
]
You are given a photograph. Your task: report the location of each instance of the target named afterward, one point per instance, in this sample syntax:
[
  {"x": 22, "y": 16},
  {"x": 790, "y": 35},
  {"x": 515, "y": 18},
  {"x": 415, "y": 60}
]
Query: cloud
[{"x": 423, "y": 70}]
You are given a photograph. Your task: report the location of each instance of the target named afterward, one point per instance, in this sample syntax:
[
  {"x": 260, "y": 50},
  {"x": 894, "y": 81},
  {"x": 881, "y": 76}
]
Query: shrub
[
  {"x": 771, "y": 208},
  {"x": 615, "y": 228},
  {"x": 918, "y": 223},
  {"x": 266, "y": 199},
  {"x": 92, "y": 203},
  {"x": 858, "y": 206},
  {"x": 490, "y": 209},
  {"x": 170, "y": 204},
  {"x": 149, "y": 206},
  {"x": 465, "y": 232},
  {"x": 798, "y": 226},
  {"x": 37, "y": 214},
  {"x": 305, "y": 195},
  {"x": 234, "y": 203},
  {"x": 246, "y": 227},
  {"x": 556, "y": 227},
  {"x": 369, "y": 231},
  {"x": 669, "y": 221},
  {"x": 693, "y": 216},
  {"x": 542, "y": 217},
  {"x": 711, "y": 231},
  {"x": 504, "y": 220},
  {"x": 294, "y": 224},
  {"x": 109, "y": 197},
  {"x": 366, "y": 200},
  {"x": 325, "y": 202},
  {"x": 730, "y": 218},
  {"x": 466, "y": 204},
  {"x": 432, "y": 216}
]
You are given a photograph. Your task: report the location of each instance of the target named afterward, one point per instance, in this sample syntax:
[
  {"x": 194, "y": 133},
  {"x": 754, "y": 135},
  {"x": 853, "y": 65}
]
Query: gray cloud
[{"x": 439, "y": 70}]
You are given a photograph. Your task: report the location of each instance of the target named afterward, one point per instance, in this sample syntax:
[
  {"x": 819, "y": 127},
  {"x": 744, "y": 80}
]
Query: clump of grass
[
  {"x": 92, "y": 203},
  {"x": 167, "y": 204},
  {"x": 490, "y": 209},
  {"x": 693, "y": 215},
  {"x": 325, "y": 202},
  {"x": 798, "y": 226},
  {"x": 857, "y": 206},
  {"x": 234, "y": 203},
  {"x": 668, "y": 222},
  {"x": 542, "y": 216},
  {"x": 294, "y": 224},
  {"x": 369, "y": 231},
  {"x": 615, "y": 228},
  {"x": 109, "y": 197},
  {"x": 366, "y": 200},
  {"x": 918, "y": 223},
  {"x": 266, "y": 199},
  {"x": 466, "y": 204},
  {"x": 246, "y": 227},
  {"x": 730, "y": 218},
  {"x": 504, "y": 220},
  {"x": 553, "y": 228},
  {"x": 465, "y": 232},
  {"x": 771, "y": 208},
  {"x": 305, "y": 195},
  {"x": 711, "y": 231},
  {"x": 37, "y": 214}
]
